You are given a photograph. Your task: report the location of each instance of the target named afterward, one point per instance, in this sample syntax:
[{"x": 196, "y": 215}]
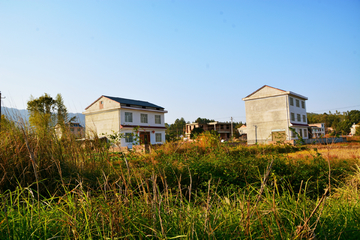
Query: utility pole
[
  {"x": 0, "y": 110},
  {"x": 255, "y": 134},
  {"x": 232, "y": 135}
]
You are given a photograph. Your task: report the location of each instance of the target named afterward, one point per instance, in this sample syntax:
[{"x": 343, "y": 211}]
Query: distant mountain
[
  {"x": 14, "y": 113},
  {"x": 80, "y": 118}
]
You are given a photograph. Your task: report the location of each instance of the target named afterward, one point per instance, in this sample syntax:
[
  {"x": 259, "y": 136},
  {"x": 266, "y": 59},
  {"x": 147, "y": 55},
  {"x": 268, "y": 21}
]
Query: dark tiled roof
[
  {"x": 133, "y": 102},
  {"x": 75, "y": 125}
]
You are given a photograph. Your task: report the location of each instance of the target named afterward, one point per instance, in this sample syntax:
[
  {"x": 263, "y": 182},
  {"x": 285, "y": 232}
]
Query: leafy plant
[{"x": 299, "y": 140}]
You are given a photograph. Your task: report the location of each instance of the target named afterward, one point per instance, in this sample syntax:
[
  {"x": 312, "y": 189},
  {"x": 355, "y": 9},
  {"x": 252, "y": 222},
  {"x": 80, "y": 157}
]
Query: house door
[{"x": 144, "y": 137}]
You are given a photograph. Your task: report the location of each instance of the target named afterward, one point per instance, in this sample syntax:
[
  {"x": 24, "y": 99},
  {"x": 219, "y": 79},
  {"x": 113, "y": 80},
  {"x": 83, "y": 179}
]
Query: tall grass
[{"x": 60, "y": 188}]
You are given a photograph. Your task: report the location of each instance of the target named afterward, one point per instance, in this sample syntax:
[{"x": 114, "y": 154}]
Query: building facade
[
  {"x": 275, "y": 115},
  {"x": 353, "y": 129},
  {"x": 75, "y": 128},
  {"x": 242, "y": 130},
  {"x": 222, "y": 128},
  {"x": 139, "y": 121},
  {"x": 317, "y": 130}
]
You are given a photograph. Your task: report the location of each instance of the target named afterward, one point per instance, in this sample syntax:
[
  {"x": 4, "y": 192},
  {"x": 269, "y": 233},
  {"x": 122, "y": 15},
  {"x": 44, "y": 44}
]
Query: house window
[
  {"x": 158, "y": 137},
  {"x": 300, "y": 132},
  {"x": 304, "y": 119},
  {"x": 144, "y": 118},
  {"x": 291, "y": 101},
  {"x": 157, "y": 119},
  {"x": 128, "y": 117},
  {"x": 305, "y": 133},
  {"x": 298, "y": 117},
  {"x": 292, "y": 118},
  {"x": 303, "y": 104},
  {"x": 293, "y": 135},
  {"x": 297, "y": 103},
  {"x": 128, "y": 137}
]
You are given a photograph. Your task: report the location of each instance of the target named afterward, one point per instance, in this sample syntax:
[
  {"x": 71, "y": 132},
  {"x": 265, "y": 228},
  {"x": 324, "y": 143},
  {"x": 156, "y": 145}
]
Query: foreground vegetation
[{"x": 51, "y": 188}]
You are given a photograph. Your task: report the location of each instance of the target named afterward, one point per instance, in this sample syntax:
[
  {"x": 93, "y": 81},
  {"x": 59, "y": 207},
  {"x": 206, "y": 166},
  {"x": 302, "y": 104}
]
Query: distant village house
[
  {"x": 317, "y": 130},
  {"x": 222, "y": 128},
  {"x": 75, "y": 128},
  {"x": 353, "y": 129}
]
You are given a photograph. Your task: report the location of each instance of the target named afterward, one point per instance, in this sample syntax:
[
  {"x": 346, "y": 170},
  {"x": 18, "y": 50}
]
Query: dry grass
[
  {"x": 330, "y": 153},
  {"x": 351, "y": 189}
]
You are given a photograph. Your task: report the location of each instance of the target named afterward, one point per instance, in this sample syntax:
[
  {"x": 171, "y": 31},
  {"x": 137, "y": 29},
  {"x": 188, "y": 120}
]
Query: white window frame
[
  {"x": 291, "y": 101},
  {"x": 158, "y": 137},
  {"x": 143, "y": 118},
  {"x": 157, "y": 119},
  {"x": 304, "y": 118},
  {"x": 298, "y": 117},
  {"x": 292, "y": 116},
  {"x": 128, "y": 117},
  {"x": 303, "y": 104},
  {"x": 297, "y": 103}
]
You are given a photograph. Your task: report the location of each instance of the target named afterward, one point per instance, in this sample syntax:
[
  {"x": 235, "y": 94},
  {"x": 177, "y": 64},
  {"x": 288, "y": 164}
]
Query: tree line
[
  {"x": 177, "y": 129},
  {"x": 339, "y": 122}
]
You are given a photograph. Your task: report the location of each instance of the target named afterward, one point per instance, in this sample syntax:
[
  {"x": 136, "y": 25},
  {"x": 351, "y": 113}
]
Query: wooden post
[{"x": 232, "y": 135}]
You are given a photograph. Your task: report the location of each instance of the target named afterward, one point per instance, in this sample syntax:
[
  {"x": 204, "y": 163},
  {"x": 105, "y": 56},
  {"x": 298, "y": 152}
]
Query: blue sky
[{"x": 195, "y": 58}]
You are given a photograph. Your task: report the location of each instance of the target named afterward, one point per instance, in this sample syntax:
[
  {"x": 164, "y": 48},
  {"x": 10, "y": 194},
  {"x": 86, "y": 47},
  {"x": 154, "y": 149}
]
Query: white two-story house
[
  {"x": 271, "y": 112},
  {"x": 112, "y": 114}
]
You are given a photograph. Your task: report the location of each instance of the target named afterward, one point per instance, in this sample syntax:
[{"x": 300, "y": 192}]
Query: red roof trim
[
  {"x": 132, "y": 126},
  {"x": 299, "y": 124}
]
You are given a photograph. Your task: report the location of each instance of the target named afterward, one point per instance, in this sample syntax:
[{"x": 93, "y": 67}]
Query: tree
[
  {"x": 200, "y": 120},
  {"x": 62, "y": 114},
  {"x": 340, "y": 122},
  {"x": 357, "y": 131},
  {"x": 45, "y": 112},
  {"x": 195, "y": 132},
  {"x": 173, "y": 131}
]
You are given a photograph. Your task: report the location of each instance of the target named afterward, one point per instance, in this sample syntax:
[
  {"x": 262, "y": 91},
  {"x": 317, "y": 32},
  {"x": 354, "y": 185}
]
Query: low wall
[
  {"x": 324, "y": 140},
  {"x": 310, "y": 141},
  {"x": 136, "y": 148}
]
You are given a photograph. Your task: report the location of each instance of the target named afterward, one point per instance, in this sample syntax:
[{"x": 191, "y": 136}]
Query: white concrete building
[
  {"x": 317, "y": 130},
  {"x": 353, "y": 129},
  {"x": 112, "y": 114},
  {"x": 271, "y": 112},
  {"x": 242, "y": 130}
]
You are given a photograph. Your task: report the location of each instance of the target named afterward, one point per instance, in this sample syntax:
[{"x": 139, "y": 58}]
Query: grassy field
[{"x": 51, "y": 188}]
